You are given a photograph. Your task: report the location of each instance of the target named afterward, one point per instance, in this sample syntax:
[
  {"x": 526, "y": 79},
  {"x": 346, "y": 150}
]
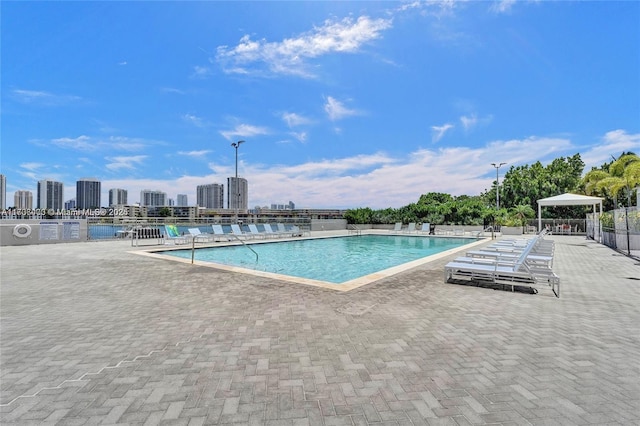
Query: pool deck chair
[
  {"x": 219, "y": 233},
  {"x": 253, "y": 231},
  {"x": 173, "y": 235},
  {"x": 411, "y": 228},
  {"x": 200, "y": 237},
  {"x": 511, "y": 272},
  {"x": 268, "y": 230},
  {"x": 297, "y": 232},
  {"x": 237, "y": 232},
  {"x": 397, "y": 227}
]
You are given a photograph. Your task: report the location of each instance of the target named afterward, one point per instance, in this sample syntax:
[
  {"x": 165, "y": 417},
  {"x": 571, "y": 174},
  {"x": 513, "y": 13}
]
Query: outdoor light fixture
[
  {"x": 497, "y": 166},
  {"x": 236, "y": 145}
]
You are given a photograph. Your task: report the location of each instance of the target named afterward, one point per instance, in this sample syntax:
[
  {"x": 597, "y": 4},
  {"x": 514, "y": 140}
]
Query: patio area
[{"x": 92, "y": 334}]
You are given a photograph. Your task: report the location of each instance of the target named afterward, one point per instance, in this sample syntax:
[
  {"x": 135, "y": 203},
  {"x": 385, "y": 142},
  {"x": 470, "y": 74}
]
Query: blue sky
[{"x": 341, "y": 104}]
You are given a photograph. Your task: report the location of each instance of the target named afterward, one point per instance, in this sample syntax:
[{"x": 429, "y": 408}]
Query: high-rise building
[
  {"x": 117, "y": 197},
  {"x": 70, "y": 204},
  {"x": 3, "y": 192},
  {"x": 153, "y": 198},
  {"x": 238, "y": 193},
  {"x": 182, "y": 200},
  {"x": 210, "y": 196},
  {"x": 88, "y": 193},
  {"x": 50, "y": 194},
  {"x": 23, "y": 199}
]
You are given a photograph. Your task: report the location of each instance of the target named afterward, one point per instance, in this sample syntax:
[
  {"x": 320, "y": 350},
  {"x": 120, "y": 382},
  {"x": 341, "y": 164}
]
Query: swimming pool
[{"x": 338, "y": 261}]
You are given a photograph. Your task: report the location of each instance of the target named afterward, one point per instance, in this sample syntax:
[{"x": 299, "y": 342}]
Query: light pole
[
  {"x": 236, "y": 187},
  {"x": 497, "y": 166}
]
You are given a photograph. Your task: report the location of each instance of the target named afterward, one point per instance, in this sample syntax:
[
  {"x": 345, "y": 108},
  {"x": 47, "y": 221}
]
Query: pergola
[{"x": 568, "y": 199}]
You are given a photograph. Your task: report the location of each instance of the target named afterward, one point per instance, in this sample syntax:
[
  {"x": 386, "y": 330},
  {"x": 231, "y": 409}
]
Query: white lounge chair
[
  {"x": 397, "y": 227},
  {"x": 411, "y": 228},
  {"x": 239, "y": 233},
  {"x": 253, "y": 231},
  {"x": 503, "y": 271},
  {"x": 201, "y": 237},
  {"x": 268, "y": 229},
  {"x": 219, "y": 233}
]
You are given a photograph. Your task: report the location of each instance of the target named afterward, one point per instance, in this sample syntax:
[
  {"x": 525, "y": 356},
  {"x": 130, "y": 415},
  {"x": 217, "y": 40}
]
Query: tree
[
  {"x": 615, "y": 180},
  {"x": 521, "y": 214}
]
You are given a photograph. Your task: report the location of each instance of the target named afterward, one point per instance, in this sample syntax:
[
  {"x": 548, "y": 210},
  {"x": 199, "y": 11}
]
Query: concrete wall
[
  {"x": 328, "y": 224},
  {"x": 21, "y": 232}
]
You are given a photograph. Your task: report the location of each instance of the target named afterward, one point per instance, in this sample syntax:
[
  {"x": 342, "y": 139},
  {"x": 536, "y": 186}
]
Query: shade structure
[{"x": 568, "y": 199}]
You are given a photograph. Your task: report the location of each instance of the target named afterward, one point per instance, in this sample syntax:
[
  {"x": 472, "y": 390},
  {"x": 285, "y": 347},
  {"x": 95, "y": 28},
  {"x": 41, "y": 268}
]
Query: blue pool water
[{"x": 333, "y": 260}]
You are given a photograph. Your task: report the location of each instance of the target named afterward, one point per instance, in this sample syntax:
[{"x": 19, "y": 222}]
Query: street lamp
[
  {"x": 497, "y": 166},
  {"x": 236, "y": 145}
]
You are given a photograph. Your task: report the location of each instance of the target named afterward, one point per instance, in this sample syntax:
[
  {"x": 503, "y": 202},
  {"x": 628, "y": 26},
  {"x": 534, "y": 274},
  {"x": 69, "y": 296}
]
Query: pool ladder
[{"x": 244, "y": 244}]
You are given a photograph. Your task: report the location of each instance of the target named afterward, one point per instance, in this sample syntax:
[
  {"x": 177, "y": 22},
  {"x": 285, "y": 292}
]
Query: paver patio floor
[{"x": 92, "y": 334}]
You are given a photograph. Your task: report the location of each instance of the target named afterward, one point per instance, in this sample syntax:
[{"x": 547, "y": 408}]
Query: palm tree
[
  {"x": 622, "y": 177},
  {"x": 521, "y": 213}
]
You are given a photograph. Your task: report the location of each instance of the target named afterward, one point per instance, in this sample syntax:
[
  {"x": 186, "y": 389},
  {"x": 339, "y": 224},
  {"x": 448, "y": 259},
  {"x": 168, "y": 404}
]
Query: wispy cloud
[
  {"x": 195, "y": 154},
  {"x": 194, "y": 120},
  {"x": 502, "y": 6},
  {"x": 290, "y": 56},
  {"x": 612, "y": 144},
  {"x": 294, "y": 120},
  {"x": 244, "y": 130},
  {"x": 200, "y": 72},
  {"x": 87, "y": 143},
  {"x": 299, "y": 136},
  {"x": 31, "y": 166},
  {"x": 336, "y": 109},
  {"x": 469, "y": 122},
  {"x": 119, "y": 163},
  {"x": 439, "y": 131},
  {"x": 364, "y": 180},
  {"x": 37, "y": 97}
]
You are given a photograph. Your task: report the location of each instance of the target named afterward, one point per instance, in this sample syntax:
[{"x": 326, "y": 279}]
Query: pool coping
[{"x": 342, "y": 287}]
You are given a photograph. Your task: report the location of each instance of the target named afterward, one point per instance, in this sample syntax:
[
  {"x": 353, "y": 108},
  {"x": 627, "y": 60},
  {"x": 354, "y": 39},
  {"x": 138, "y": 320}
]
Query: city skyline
[{"x": 341, "y": 104}]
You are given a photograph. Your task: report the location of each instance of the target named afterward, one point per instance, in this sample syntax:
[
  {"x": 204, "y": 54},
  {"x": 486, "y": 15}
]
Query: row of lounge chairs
[
  {"x": 412, "y": 228},
  {"x": 172, "y": 235},
  {"x": 523, "y": 263}
]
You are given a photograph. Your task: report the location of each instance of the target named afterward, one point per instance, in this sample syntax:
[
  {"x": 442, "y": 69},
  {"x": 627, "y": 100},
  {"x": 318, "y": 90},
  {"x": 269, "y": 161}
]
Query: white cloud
[
  {"x": 87, "y": 143},
  {"x": 294, "y": 120},
  {"x": 194, "y": 120},
  {"x": 290, "y": 56},
  {"x": 195, "y": 154},
  {"x": 439, "y": 131},
  {"x": 200, "y": 72},
  {"x": 243, "y": 131},
  {"x": 43, "y": 98},
  {"x": 299, "y": 136},
  {"x": 118, "y": 163},
  {"x": 502, "y": 6},
  {"x": 468, "y": 122},
  {"x": 376, "y": 180},
  {"x": 611, "y": 145},
  {"x": 336, "y": 109}
]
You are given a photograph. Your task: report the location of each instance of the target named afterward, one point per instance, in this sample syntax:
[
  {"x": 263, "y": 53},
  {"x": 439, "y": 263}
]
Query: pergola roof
[{"x": 568, "y": 199}]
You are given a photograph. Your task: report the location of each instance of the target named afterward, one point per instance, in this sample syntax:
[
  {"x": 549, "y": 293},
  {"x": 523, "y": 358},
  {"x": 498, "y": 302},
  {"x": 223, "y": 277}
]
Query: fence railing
[{"x": 620, "y": 228}]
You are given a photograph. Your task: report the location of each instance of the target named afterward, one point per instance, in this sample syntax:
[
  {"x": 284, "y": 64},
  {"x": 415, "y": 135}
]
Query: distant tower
[
  {"x": 50, "y": 194},
  {"x": 88, "y": 193},
  {"x": 182, "y": 200},
  {"x": 3, "y": 192},
  {"x": 210, "y": 196},
  {"x": 153, "y": 198},
  {"x": 238, "y": 193},
  {"x": 118, "y": 197},
  {"x": 23, "y": 200}
]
